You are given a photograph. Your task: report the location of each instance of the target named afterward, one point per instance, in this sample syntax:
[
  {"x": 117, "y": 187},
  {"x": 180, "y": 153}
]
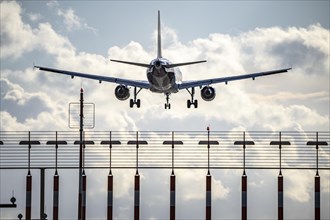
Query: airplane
[{"x": 163, "y": 76}]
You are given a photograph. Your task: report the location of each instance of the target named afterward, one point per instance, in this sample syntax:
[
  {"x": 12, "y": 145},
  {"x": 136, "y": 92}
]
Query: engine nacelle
[
  {"x": 122, "y": 92},
  {"x": 208, "y": 93}
]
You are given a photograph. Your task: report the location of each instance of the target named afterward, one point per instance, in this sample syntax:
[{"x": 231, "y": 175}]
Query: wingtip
[{"x": 36, "y": 67}]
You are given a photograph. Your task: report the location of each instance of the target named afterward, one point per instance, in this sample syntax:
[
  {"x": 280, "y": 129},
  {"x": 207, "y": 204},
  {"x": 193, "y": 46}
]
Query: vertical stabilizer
[{"x": 159, "y": 39}]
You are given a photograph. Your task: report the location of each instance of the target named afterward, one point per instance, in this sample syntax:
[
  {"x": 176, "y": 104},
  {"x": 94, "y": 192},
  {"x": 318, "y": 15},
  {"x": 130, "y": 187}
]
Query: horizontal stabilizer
[
  {"x": 184, "y": 64},
  {"x": 132, "y": 63}
]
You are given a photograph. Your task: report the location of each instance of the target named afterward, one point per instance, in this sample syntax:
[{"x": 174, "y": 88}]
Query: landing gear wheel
[
  {"x": 192, "y": 101},
  {"x": 167, "y": 106},
  {"x": 196, "y": 103},
  {"x": 134, "y": 101},
  {"x": 188, "y": 103}
]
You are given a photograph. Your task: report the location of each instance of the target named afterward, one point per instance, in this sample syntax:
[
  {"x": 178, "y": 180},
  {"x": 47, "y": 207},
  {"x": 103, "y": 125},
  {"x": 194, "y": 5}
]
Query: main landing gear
[
  {"x": 167, "y": 104},
  {"x": 192, "y": 101},
  {"x": 135, "y": 101}
]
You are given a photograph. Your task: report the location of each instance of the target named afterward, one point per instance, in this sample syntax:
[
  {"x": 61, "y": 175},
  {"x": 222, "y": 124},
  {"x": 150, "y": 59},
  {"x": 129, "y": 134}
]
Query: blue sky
[
  {"x": 236, "y": 37},
  {"x": 118, "y": 22}
]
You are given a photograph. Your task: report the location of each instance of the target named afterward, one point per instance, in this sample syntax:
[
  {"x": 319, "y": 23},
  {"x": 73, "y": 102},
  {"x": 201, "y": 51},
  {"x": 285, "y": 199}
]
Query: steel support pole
[
  {"x": 317, "y": 183},
  {"x": 29, "y": 177},
  {"x": 244, "y": 177},
  {"x": 80, "y": 199},
  {"x": 110, "y": 197},
  {"x": 28, "y": 203},
  {"x": 280, "y": 197},
  {"x": 317, "y": 197},
  {"x": 172, "y": 196},
  {"x": 137, "y": 196},
  {"x": 280, "y": 194},
  {"x": 56, "y": 177},
  {"x": 42, "y": 193},
  {"x": 208, "y": 180},
  {"x": 244, "y": 197},
  {"x": 83, "y": 206},
  {"x": 55, "y": 196},
  {"x": 208, "y": 197},
  {"x": 172, "y": 177}
]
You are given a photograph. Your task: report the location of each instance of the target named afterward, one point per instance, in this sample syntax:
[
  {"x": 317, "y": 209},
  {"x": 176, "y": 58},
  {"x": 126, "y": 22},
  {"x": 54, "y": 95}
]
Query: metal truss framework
[
  {"x": 160, "y": 150},
  {"x": 165, "y": 150}
]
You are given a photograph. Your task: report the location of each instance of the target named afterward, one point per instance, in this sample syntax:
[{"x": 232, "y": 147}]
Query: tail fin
[
  {"x": 159, "y": 53},
  {"x": 159, "y": 39}
]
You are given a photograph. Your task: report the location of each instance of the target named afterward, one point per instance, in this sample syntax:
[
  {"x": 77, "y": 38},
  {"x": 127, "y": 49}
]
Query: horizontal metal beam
[
  {"x": 84, "y": 142},
  {"x": 280, "y": 143},
  {"x": 320, "y": 143},
  {"x": 111, "y": 142},
  {"x": 169, "y": 168},
  {"x": 208, "y": 142},
  {"x": 244, "y": 143},
  {"x": 29, "y": 143},
  {"x": 137, "y": 142},
  {"x": 8, "y": 205},
  {"x": 56, "y": 142},
  {"x": 172, "y": 143}
]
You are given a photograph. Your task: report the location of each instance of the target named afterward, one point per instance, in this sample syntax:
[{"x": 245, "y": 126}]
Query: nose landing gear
[{"x": 167, "y": 104}]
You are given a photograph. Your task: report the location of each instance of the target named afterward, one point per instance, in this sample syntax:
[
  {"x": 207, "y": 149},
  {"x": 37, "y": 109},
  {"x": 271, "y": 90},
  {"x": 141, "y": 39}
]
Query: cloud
[
  {"x": 53, "y": 43},
  {"x": 16, "y": 37},
  {"x": 16, "y": 100},
  {"x": 34, "y": 17},
  {"x": 71, "y": 20},
  {"x": 288, "y": 96},
  {"x": 299, "y": 187},
  {"x": 196, "y": 190}
]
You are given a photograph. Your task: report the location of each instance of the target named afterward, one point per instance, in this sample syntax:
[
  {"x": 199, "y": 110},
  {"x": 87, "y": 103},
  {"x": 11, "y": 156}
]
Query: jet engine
[
  {"x": 122, "y": 92},
  {"x": 208, "y": 93}
]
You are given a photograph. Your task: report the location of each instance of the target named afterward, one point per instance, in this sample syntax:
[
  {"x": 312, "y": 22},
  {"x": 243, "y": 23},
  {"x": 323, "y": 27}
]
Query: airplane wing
[
  {"x": 207, "y": 82},
  {"x": 127, "y": 82}
]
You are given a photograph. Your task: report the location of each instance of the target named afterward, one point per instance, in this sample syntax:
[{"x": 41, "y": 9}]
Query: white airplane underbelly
[{"x": 162, "y": 81}]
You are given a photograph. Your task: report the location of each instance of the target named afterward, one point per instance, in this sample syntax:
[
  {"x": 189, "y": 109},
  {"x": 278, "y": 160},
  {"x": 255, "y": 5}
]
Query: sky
[{"x": 234, "y": 37}]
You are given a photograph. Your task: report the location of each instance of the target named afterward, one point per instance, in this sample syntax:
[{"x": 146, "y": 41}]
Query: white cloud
[
  {"x": 34, "y": 17},
  {"x": 195, "y": 179},
  {"x": 53, "y": 43},
  {"x": 300, "y": 186},
  {"x": 16, "y": 37},
  {"x": 219, "y": 190},
  {"x": 70, "y": 19}
]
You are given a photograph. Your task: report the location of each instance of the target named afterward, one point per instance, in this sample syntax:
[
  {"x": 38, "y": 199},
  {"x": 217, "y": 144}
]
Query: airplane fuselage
[{"x": 163, "y": 79}]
